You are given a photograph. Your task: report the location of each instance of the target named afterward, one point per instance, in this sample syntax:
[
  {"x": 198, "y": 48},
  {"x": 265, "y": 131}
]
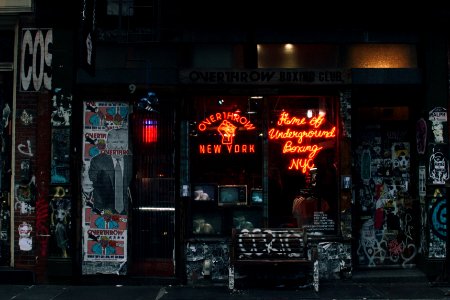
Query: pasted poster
[
  {"x": 106, "y": 175},
  {"x": 438, "y": 118},
  {"x": 60, "y": 221},
  {"x": 106, "y": 236}
]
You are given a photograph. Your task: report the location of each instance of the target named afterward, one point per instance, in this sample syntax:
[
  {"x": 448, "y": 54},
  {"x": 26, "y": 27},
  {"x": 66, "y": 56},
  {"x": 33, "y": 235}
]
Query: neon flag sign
[
  {"x": 298, "y": 135},
  {"x": 226, "y": 125}
]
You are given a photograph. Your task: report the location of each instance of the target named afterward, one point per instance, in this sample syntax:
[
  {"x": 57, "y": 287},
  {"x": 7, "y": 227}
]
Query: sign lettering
[
  {"x": 36, "y": 60},
  {"x": 226, "y": 124},
  {"x": 294, "y": 132},
  {"x": 265, "y": 76}
]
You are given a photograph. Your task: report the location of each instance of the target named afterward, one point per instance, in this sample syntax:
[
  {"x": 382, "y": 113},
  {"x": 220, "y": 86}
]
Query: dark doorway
[{"x": 153, "y": 197}]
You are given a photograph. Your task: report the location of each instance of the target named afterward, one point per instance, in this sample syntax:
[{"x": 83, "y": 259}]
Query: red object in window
[{"x": 149, "y": 131}]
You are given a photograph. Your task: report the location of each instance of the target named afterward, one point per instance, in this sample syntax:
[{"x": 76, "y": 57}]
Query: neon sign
[
  {"x": 294, "y": 132},
  {"x": 149, "y": 131},
  {"x": 226, "y": 124}
]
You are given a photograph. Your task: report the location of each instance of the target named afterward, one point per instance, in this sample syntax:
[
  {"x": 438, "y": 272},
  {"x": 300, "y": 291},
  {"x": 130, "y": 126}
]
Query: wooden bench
[{"x": 272, "y": 247}]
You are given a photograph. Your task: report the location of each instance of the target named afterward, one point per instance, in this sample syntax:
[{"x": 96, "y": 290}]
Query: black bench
[{"x": 272, "y": 247}]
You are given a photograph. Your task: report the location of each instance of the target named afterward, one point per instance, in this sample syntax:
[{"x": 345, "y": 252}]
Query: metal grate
[{"x": 153, "y": 213}]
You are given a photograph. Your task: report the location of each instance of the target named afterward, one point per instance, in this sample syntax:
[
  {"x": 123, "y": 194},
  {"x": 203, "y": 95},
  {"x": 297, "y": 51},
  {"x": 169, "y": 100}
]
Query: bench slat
[{"x": 273, "y": 261}]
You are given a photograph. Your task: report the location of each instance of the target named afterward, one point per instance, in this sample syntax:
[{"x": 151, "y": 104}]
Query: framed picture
[
  {"x": 232, "y": 195},
  {"x": 204, "y": 192}
]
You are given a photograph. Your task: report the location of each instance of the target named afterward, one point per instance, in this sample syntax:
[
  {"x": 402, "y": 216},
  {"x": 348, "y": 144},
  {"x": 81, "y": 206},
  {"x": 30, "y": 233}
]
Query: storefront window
[
  {"x": 226, "y": 163},
  {"x": 303, "y": 176},
  {"x": 263, "y": 161}
]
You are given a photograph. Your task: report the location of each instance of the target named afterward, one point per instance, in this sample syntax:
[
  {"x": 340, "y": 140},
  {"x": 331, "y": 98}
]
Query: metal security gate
[{"x": 153, "y": 199}]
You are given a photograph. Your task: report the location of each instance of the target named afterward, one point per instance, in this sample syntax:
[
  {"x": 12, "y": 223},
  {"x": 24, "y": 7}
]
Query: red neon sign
[
  {"x": 294, "y": 131},
  {"x": 219, "y": 117},
  {"x": 149, "y": 131},
  {"x": 226, "y": 124}
]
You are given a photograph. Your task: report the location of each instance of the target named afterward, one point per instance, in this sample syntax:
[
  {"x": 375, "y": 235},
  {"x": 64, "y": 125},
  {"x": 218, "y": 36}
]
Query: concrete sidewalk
[
  {"x": 343, "y": 290},
  {"x": 390, "y": 284},
  {"x": 328, "y": 290}
]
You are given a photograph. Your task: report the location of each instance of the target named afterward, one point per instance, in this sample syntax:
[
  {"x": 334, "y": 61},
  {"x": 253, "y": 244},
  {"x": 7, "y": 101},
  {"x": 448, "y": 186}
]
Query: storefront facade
[
  {"x": 248, "y": 150},
  {"x": 207, "y": 137}
]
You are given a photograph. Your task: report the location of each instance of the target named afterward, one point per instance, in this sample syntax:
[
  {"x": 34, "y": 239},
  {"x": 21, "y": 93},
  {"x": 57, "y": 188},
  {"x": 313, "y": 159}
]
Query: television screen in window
[
  {"x": 204, "y": 192},
  {"x": 232, "y": 195},
  {"x": 207, "y": 223},
  {"x": 247, "y": 218},
  {"x": 256, "y": 196}
]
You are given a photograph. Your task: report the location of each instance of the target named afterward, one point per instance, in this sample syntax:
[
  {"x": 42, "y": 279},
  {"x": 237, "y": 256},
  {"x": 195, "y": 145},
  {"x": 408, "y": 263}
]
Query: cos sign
[{"x": 36, "y": 57}]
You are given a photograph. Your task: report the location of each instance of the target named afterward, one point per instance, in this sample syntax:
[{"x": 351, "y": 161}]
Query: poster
[{"x": 106, "y": 176}]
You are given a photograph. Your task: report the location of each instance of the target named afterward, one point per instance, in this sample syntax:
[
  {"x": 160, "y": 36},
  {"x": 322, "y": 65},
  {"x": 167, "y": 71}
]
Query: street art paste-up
[
  {"x": 105, "y": 219},
  {"x": 438, "y": 131},
  {"x": 438, "y": 168},
  {"x": 25, "y": 239},
  {"x": 60, "y": 220},
  {"x": 61, "y": 108},
  {"x": 400, "y": 157},
  {"x": 438, "y": 116},
  {"x": 26, "y": 118},
  {"x": 24, "y": 195}
]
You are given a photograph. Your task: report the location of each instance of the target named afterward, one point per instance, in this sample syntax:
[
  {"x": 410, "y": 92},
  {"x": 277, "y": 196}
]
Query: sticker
[
  {"x": 438, "y": 169},
  {"x": 25, "y": 241}
]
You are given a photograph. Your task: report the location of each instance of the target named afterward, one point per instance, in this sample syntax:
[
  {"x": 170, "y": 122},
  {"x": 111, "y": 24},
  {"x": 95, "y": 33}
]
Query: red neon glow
[
  {"x": 219, "y": 117},
  {"x": 227, "y": 130},
  {"x": 227, "y": 125},
  {"x": 302, "y": 164},
  {"x": 312, "y": 149},
  {"x": 149, "y": 131},
  {"x": 275, "y": 134},
  {"x": 294, "y": 121},
  {"x": 217, "y": 148},
  {"x": 294, "y": 139}
]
